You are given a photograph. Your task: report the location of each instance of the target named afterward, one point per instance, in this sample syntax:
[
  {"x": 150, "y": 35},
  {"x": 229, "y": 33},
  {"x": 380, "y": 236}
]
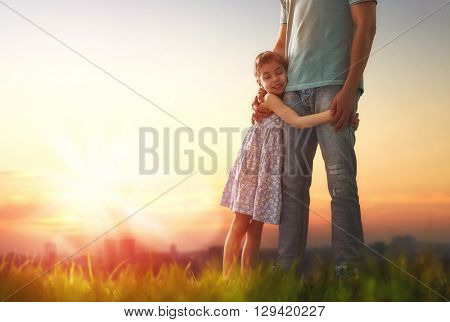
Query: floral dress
[{"x": 254, "y": 183}]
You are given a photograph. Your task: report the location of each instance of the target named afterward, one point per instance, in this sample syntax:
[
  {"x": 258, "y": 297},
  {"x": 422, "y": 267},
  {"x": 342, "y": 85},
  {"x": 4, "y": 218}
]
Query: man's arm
[
  {"x": 364, "y": 20},
  {"x": 280, "y": 45}
]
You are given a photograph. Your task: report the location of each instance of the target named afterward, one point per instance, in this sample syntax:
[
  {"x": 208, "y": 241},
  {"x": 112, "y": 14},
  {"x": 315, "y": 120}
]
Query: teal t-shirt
[{"x": 318, "y": 42}]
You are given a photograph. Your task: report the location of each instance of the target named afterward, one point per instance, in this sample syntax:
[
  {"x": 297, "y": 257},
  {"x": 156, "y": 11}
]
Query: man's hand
[
  {"x": 259, "y": 112},
  {"x": 342, "y": 109}
]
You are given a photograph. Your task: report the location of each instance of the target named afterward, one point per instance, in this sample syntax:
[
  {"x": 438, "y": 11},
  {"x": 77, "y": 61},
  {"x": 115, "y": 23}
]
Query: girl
[{"x": 253, "y": 189}]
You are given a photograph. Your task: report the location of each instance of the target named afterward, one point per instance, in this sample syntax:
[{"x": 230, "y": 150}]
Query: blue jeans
[{"x": 338, "y": 152}]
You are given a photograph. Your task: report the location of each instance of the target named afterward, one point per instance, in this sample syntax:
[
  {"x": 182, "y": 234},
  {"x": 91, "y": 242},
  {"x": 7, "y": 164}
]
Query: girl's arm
[{"x": 288, "y": 115}]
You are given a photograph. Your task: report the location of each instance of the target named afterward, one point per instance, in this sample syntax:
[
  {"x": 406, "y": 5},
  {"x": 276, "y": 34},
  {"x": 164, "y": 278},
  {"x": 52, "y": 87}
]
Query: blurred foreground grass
[{"x": 380, "y": 281}]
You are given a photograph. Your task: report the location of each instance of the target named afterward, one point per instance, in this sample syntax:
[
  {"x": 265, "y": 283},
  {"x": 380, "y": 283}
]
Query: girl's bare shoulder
[{"x": 271, "y": 98}]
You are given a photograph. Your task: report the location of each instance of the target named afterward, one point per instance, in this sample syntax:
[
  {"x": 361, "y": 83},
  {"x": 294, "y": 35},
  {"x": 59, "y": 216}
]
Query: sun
[
  {"x": 90, "y": 192},
  {"x": 97, "y": 185}
]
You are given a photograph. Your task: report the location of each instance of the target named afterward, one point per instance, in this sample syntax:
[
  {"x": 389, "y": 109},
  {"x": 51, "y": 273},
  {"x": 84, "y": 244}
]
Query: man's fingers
[
  {"x": 339, "y": 124},
  {"x": 343, "y": 121},
  {"x": 334, "y": 111},
  {"x": 336, "y": 117}
]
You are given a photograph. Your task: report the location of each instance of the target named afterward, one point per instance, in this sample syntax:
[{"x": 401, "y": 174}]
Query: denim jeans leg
[
  {"x": 299, "y": 146},
  {"x": 340, "y": 162}
]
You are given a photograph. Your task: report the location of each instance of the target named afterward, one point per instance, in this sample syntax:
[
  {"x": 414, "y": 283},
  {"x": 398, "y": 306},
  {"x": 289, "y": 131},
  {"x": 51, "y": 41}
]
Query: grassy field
[{"x": 70, "y": 282}]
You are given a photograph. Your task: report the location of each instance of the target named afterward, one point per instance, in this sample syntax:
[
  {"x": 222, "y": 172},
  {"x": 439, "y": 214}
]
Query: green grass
[{"x": 378, "y": 282}]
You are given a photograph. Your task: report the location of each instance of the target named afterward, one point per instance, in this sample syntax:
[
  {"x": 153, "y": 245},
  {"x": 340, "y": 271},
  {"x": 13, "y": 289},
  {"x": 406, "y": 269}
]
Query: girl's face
[{"x": 273, "y": 77}]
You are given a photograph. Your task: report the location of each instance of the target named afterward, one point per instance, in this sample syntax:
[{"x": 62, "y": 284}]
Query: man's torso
[{"x": 318, "y": 42}]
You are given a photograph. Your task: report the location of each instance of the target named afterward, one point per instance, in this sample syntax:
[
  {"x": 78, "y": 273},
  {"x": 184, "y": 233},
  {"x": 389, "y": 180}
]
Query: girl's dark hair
[{"x": 267, "y": 57}]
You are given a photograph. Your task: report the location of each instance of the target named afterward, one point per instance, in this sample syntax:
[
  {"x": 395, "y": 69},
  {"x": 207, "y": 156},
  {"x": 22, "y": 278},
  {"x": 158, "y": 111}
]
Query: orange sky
[{"x": 27, "y": 222}]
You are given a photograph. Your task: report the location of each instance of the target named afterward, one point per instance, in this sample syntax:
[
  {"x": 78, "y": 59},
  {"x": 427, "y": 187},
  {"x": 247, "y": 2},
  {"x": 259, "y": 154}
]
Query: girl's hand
[
  {"x": 259, "y": 112},
  {"x": 264, "y": 102},
  {"x": 355, "y": 121},
  {"x": 261, "y": 94},
  {"x": 263, "y": 105}
]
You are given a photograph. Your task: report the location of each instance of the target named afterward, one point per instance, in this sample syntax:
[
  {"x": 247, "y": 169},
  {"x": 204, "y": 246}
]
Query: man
[{"x": 326, "y": 44}]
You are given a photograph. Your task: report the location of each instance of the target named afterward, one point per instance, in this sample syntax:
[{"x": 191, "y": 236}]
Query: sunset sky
[{"x": 70, "y": 133}]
